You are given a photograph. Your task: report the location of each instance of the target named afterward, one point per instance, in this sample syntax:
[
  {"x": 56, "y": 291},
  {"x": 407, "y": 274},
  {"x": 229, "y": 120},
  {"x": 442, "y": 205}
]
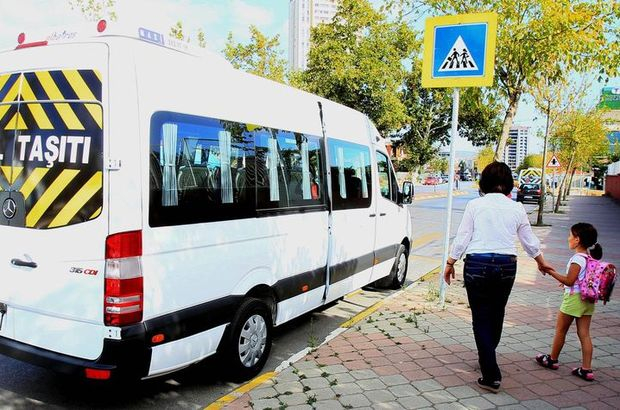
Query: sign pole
[{"x": 446, "y": 240}]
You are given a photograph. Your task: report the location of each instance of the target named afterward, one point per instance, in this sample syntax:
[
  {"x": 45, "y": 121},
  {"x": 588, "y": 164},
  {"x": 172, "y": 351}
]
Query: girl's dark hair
[
  {"x": 588, "y": 238},
  {"x": 496, "y": 178}
]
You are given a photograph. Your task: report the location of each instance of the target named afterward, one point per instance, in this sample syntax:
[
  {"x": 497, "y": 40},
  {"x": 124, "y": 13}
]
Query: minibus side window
[
  {"x": 201, "y": 170},
  {"x": 351, "y": 175},
  {"x": 383, "y": 170},
  {"x": 288, "y": 168}
]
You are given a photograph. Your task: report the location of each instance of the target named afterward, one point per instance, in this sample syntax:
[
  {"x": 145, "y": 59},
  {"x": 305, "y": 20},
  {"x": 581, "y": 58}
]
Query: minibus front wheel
[{"x": 248, "y": 339}]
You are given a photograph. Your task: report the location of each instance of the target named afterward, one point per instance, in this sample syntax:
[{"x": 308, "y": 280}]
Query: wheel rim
[
  {"x": 252, "y": 340},
  {"x": 402, "y": 265}
]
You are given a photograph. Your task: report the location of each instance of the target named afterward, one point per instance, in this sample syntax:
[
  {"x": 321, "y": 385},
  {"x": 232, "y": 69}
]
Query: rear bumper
[{"x": 128, "y": 358}]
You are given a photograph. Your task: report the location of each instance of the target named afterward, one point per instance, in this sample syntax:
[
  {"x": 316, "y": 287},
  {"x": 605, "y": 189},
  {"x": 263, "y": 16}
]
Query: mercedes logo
[{"x": 8, "y": 208}]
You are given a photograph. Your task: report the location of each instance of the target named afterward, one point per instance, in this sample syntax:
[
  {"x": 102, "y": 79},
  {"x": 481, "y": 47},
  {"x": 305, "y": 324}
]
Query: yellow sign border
[{"x": 429, "y": 45}]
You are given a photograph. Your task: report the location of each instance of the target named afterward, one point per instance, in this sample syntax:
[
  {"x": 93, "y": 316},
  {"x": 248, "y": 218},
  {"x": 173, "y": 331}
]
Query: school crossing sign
[{"x": 459, "y": 51}]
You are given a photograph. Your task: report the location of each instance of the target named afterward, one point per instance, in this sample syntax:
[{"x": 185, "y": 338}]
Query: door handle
[
  {"x": 372, "y": 215},
  {"x": 19, "y": 262},
  {"x": 382, "y": 214}
]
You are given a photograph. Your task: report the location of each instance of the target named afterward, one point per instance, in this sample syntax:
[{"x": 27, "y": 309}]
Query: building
[
  {"x": 303, "y": 15},
  {"x": 517, "y": 150}
]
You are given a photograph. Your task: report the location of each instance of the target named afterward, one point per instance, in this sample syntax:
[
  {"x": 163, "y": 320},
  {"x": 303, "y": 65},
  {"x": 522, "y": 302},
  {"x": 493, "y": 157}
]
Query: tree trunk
[
  {"x": 513, "y": 104},
  {"x": 570, "y": 183},
  {"x": 570, "y": 164}
]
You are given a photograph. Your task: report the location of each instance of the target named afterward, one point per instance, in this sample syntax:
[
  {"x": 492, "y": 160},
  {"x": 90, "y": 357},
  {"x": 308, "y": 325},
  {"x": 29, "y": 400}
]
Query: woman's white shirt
[{"x": 490, "y": 224}]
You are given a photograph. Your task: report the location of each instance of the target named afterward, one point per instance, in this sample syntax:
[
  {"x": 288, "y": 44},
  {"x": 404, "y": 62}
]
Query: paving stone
[
  {"x": 293, "y": 399},
  {"x": 414, "y": 402},
  {"x": 347, "y": 389},
  {"x": 263, "y": 393},
  {"x": 537, "y": 404},
  {"x": 316, "y": 382},
  {"x": 342, "y": 378},
  {"x": 379, "y": 396},
  {"x": 450, "y": 406},
  {"x": 461, "y": 392},
  {"x": 266, "y": 403},
  {"x": 300, "y": 407},
  {"x": 501, "y": 398},
  {"x": 403, "y": 390},
  {"x": 393, "y": 405},
  {"x": 477, "y": 403},
  {"x": 393, "y": 380},
  {"x": 335, "y": 369},
  {"x": 439, "y": 396},
  {"x": 328, "y": 405},
  {"x": 363, "y": 374},
  {"x": 292, "y": 387},
  {"x": 513, "y": 407},
  {"x": 371, "y": 384},
  {"x": 355, "y": 400},
  {"x": 427, "y": 385}
]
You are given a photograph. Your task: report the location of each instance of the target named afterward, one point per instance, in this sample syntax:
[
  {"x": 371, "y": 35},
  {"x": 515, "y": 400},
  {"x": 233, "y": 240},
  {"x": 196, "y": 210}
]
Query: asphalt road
[{"x": 26, "y": 386}]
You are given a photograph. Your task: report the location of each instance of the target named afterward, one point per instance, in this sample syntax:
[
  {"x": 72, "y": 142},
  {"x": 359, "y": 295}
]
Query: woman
[{"x": 486, "y": 236}]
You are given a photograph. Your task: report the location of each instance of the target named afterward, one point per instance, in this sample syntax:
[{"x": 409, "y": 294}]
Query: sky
[{"x": 216, "y": 18}]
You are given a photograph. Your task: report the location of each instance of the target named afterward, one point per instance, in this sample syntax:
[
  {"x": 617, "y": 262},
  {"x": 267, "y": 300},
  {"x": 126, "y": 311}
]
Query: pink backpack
[{"x": 598, "y": 282}]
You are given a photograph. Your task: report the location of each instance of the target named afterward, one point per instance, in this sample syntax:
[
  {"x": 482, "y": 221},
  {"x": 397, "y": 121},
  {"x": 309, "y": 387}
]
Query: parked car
[
  {"x": 444, "y": 178},
  {"x": 528, "y": 193},
  {"x": 430, "y": 180}
]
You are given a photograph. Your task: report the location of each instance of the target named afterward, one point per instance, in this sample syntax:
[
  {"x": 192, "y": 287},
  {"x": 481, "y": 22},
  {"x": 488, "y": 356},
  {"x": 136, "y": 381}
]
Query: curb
[
  {"x": 440, "y": 195},
  {"x": 257, "y": 381}
]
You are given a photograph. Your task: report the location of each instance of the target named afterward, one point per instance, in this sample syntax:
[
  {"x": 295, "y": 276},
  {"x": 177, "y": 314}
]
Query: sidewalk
[{"x": 410, "y": 354}]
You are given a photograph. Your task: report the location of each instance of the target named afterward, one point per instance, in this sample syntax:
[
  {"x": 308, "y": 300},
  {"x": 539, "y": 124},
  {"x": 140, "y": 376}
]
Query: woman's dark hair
[
  {"x": 588, "y": 238},
  {"x": 496, "y": 178}
]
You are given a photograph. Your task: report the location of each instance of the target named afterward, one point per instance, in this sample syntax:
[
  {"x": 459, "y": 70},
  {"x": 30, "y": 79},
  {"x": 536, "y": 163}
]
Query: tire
[
  {"x": 398, "y": 274},
  {"x": 247, "y": 342}
]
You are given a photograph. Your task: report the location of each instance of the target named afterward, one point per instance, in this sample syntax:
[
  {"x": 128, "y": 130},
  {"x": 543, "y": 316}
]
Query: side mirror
[{"x": 407, "y": 195}]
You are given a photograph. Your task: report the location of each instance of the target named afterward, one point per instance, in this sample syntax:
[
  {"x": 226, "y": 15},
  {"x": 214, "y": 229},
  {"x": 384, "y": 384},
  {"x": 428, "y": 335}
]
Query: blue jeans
[{"x": 488, "y": 280}]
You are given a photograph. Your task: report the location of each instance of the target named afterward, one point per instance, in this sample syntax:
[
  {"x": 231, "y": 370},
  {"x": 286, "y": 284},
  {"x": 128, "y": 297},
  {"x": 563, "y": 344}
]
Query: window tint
[
  {"x": 350, "y": 175},
  {"x": 205, "y": 169},
  {"x": 388, "y": 185},
  {"x": 289, "y": 169}
]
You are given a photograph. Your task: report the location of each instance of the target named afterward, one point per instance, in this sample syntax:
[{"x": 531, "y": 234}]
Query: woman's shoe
[
  {"x": 545, "y": 361},
  {"x": 585, "y": 374},
  {"x": 490, "y": 386}
]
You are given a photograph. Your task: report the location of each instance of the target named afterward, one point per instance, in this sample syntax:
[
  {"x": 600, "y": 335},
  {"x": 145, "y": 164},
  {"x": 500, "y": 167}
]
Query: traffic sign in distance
[
  {"x": 459, "y": 51},
  {"x": 553, "y": 162}
]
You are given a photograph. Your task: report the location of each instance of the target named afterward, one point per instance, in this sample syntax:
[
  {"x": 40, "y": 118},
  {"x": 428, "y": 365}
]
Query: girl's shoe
[
  {"x": 545, "y": 361},
  {"x": 584, "y": 374}
]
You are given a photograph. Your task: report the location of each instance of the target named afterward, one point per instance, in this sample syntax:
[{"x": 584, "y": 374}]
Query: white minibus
[{"x": 159, "y": 206}]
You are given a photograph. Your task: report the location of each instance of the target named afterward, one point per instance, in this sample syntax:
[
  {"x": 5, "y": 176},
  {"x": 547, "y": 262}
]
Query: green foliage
[
  {"x": 261, "y": 56},
  {"x": 485, "y": 157},
  {"x": 531, "y": 161},
  {"x": 176, "y": 31},
  {"x": 95, "y": 10},
  {"x": 438, "y": 165},
  {"x": 357, "y": 60}
]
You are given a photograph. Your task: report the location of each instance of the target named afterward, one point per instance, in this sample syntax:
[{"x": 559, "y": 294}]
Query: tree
[
  {"x": 95, "y": 9},
  {"x": 484, "y": 158},
  {"x": 531, "y": 161},
  {"x": 438, "y": 165},
  {"x": 553, "y": 98},
  {"x": 579, "y": 137},
  {"x": 261, "y": 56},
  {"x": 538, "y": 37},
  {"x": 357, "y": 60}
]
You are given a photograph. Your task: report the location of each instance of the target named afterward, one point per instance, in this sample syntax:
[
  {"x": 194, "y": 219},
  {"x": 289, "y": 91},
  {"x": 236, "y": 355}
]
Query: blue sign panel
[{"x": 460, "y": 50}]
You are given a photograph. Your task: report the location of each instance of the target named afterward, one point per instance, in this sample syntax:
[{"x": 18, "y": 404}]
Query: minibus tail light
[{"x": 123, "y": 296}]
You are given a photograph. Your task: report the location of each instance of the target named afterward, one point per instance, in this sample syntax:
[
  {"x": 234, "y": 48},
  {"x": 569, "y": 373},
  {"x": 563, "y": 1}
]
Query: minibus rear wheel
[
  {"x": 398, "y": 274},
  {"x": 248, "y": 340}
]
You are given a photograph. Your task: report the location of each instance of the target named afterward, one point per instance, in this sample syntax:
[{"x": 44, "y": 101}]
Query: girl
[{"x": 583, "y": 240}]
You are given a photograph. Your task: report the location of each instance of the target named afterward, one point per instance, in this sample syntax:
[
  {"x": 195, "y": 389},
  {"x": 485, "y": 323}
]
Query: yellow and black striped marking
[{"x": 51, "y": 129}]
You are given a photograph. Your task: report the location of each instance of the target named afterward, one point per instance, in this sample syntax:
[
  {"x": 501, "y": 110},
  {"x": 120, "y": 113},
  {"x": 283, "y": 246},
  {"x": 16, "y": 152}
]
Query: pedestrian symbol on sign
[
  {"x": 553, "y": 162},
  {"x": 459, "y": 58}
]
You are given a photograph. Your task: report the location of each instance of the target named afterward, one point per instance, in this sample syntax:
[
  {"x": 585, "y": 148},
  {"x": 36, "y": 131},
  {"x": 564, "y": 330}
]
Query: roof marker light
[
  {"x": 101, "y": 26},
  {"x": 21, "y": 38}
]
